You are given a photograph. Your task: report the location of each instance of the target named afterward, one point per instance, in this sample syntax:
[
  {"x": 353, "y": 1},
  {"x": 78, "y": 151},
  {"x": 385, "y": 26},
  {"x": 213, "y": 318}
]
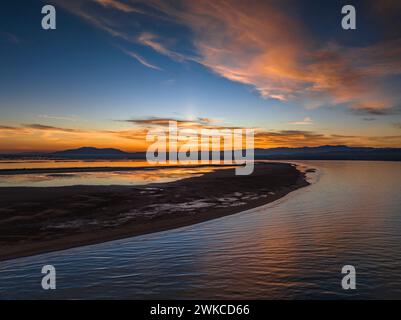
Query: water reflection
[
  {"x": 137, "y": 177},
  {"x": 292, "y": 248},
  {"x": 45, "y": 163}
]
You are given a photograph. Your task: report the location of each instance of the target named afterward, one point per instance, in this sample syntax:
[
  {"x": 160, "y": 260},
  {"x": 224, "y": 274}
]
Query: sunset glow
[{"x": 114, "y": 69}]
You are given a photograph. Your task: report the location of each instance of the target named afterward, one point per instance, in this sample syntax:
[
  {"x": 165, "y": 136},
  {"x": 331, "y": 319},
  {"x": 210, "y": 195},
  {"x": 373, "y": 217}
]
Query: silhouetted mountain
[
  {"x": 330, "y": 153},
  {"x": 96, "y": 153},
  {"x": 304, "y": 153},
  {"x": 90, "y": 151}
]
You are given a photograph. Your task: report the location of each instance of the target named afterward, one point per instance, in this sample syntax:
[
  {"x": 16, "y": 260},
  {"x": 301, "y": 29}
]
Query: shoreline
[
  {"x": 20, "y": 171},
  {"x": 40, "y": 220}
]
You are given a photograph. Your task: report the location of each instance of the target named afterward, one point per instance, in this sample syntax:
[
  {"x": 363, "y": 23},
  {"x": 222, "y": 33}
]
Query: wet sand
[{"x": 38, "y": 220}]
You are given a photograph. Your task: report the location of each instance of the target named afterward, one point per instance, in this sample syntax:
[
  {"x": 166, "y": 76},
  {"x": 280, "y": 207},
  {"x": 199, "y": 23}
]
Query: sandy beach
[{"x": 38, "y": 220}]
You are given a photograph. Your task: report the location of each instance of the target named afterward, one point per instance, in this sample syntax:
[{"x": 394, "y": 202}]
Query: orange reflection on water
[{"x": 137, "y": 177}]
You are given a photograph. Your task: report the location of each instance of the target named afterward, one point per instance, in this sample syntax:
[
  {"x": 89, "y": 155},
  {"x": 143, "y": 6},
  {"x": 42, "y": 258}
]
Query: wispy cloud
[
  {"x": 166, "y": 121},
  {"x": 367, "y": 109},
  {"x": 9, "y": 37},
  {"x": 304, "y": 122},
  {"x": 58, "y": 117},
  {"x": 262, "y": 45},
  {"x": 44, "y": 137},
  {"x": 301, "y": 138},
  {"x": 141, "y": 60},
  {"x": 153, "y": 41},
  {"x": 38, "y": 127},
  {"x": 114, "y": 4},
  {"x": 7, "y": 128},
  {"x": 50, "y": 128},
  {"x": 253, "y": 48},
  {"x": 197, "y": 123}
]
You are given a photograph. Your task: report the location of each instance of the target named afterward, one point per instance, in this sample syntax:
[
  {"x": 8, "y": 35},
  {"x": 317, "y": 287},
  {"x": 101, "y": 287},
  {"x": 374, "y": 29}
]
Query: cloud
[
  {"x": 117, "y": 5},
  {"x": 7, "y": 128},
  {"x": 153, "y": 41},
  {"x": 43, "y": 137},
  {"x": 141, "y": 60},
  {"x": 247, "y": 43},
  {"x": 292, "y": 138},
  {"x": 9, "y": 37},
  {"x": 262, "y": 45},
  {"x": 98, "y": 18},
  {"x": 242, "y": 43},
  {"x": 50, "y": 128},
  {"x": 28, "y": 128},
  {"x": 301, "y": 138},
  {"x": 375, "y": 111},
  {"x": 197, "y": 123},
  {"x": 56, "y": 117},
  {"x": 386, "y": 141},
  {"x": 305, "y": 121},
  {"x": 263, "y": 138},
  {"x": 166, "y": 121},
  {"x": 137, "y": 134},
  {"x": 37, "y": 137}
]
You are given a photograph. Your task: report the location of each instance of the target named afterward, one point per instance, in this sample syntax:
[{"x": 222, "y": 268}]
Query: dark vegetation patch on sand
[{"x": 37, "y": 220}]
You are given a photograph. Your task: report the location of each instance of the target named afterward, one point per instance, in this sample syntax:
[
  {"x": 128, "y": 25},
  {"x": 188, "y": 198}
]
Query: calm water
[
  {"x": 131, "y": 178},
  {"x": 166, "y": 173},
  {"x": 292, "y": 248},
  {"x": 47, "y": 163}
]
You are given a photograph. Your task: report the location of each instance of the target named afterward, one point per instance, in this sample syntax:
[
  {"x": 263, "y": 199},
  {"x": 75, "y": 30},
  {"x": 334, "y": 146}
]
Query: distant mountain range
[
  {"x": 330, "y": 153},
  {"x": 304, "y": 153},
  {"x": 90, "y": 151}
]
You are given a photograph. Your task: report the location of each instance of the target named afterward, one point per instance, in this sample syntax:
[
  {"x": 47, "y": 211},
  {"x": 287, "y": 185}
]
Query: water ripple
[{"x": 293, "y": 248}]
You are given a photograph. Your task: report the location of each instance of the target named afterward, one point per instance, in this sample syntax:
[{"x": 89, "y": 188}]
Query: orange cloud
[
  {"x": 299, "y": 138},
  {"x": 258, "y": 43},
  {"x": 38, "y": 137}
]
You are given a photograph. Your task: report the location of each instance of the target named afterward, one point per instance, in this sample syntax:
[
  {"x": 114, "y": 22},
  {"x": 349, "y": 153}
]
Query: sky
[{"x": 113, "y": 69}]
